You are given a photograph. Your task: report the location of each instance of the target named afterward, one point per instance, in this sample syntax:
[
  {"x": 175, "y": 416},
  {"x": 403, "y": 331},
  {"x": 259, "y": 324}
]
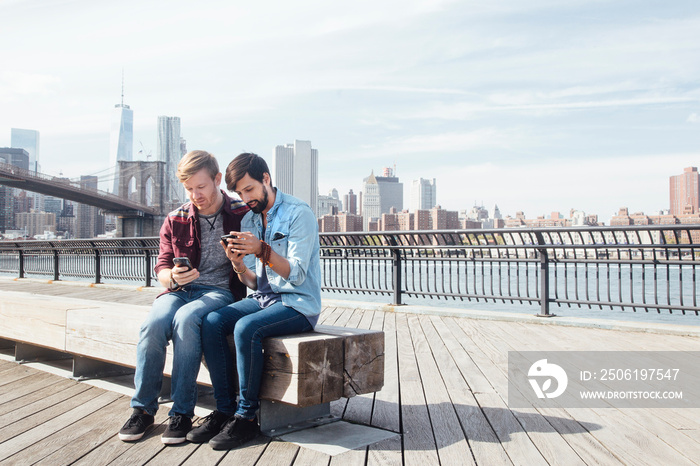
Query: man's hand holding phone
[{"x": 183, "y": 272}]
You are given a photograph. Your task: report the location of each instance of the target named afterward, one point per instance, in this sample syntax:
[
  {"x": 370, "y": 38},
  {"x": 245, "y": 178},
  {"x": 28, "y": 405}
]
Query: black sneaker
[
  {"x": 136, "y": 426},
  {"x": 235, "y": 433},
  {"x": 177, "y": 430},
  {"x": 208, "y": 428}
]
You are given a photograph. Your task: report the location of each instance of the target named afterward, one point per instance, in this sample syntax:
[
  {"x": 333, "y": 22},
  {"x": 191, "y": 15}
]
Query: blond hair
[{"x": 194, "y": 161}]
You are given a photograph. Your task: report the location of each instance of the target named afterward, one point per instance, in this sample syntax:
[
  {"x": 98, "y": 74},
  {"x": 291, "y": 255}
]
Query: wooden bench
[{"x": 303, "y": 372}]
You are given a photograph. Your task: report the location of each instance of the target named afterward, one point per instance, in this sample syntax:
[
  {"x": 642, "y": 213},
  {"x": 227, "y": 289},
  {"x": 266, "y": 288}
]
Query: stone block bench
[{"x": 303, "y": 373}]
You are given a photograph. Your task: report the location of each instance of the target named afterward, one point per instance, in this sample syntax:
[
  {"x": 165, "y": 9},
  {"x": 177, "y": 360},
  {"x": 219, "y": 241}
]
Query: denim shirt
[{"x": 292, "y": 232}]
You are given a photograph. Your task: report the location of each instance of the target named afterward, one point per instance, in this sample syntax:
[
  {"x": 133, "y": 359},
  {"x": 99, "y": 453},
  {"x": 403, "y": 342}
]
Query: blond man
[{"x": 203, "y": 283}]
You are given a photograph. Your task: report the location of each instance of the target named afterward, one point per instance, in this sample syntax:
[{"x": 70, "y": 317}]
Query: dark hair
[{"x": 246, "y": 163}]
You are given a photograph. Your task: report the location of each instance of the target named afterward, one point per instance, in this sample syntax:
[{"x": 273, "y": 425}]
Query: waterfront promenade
[{"x": 444, "y": 399}]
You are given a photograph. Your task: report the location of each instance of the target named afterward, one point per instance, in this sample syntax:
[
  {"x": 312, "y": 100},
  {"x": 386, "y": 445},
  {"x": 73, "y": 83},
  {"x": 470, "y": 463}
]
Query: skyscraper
[
  {"x": 121, "y": 138},
  {"x": 90, "y": 222},
  {"x": 27, "y": 139},
  {"x": 390, "y": 191},
  {"x": 294, "y": 170},
  {"x": 685, "y": 192},
  {"x": 423, "y": 194},
  {"x": 170, "y": 151},
  {"x": 379, "y": 195},
  {"x": 371, "y": 208},
  {"x": 350, "y": 203}
]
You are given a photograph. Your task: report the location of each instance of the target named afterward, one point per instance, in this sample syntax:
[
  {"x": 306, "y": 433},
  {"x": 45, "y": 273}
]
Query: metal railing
[
  {"x": 649, "y": 268},
  {"x": 119, "y": 260}
]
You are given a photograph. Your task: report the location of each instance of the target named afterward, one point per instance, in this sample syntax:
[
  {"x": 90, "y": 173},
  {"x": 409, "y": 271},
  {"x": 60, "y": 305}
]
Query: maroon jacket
[{"x": 180, "y": 236}]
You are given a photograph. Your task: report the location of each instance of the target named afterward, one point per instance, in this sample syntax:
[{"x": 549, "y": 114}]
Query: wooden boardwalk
[{"x": 445, "y": 393}]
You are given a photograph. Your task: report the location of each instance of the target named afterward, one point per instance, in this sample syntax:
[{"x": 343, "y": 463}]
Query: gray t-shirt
[{"x": 214, "y": 266}]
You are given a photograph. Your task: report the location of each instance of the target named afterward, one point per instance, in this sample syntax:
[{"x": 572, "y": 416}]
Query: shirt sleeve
[
  {"x": 303, "y": 233},
  {"x": 165, "y": 254}
]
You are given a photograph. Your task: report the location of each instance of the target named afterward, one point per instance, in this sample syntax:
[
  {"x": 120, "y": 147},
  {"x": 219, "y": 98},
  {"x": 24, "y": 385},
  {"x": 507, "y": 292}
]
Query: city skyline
[{"x": 535, "y": 107}]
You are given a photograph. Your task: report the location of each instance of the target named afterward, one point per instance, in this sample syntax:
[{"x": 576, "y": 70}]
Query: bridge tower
[{"x": 143, "y": 182}]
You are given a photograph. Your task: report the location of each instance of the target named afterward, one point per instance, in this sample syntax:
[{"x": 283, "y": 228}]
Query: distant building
[
  {"x": 35, "y": 223},
  {"x": 328, "y": 205},
  {"x": 350, "y": 203},
  {"x": 27, "y": 139},
  {"x": 555, "y": 220},
  {"x": 685, "y": 192},
  {"x": 121, "y": 138},
  {"x": 423, "y": 194},
  {"x": 294, "y": 170},
  {"x": 371, "y": 207},
  {"x": 89, "y": 221},
  {"x": 390, "y": 191},
  {"x": 478, "y": 217},
  {"x": 15, "y": 156},
  {"x": 170, "y": 151},
  {"x": 379, "y": 195}
]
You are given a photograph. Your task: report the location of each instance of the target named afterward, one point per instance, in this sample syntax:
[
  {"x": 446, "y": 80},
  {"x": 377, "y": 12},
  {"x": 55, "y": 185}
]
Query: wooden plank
[
  {"x": 511, "y": 434},
  {"x": 105, "y": 334},
  {"x": 16, "y": 373},
  {"x": 385, "y": 414},
  {"x": 248, "y": 455},
  {"x": 25, "y": 385},
  {"x": 452, "y": 446},
  {"x": 308, "y": 456},
  {"x": 652, "y": 446},
  {"x": 19, "y": 401},
  {"x": 279, "y": 453},
  {"x": 114, "y": 451},
  {"x": 304, "y": 369},
  {"x": 357, "y": 457},
  {"x": 65, "y": 401},
  {"x": 35, "y": 319},
  {"x": 419, "y": 442},
  {"x": 364, "y": 369},
  {"x": 363, "y": 360},
  {"x": 70, "y": 443},
  {"x": 457, "y": 369},
  {"x": 39, "y": 432},
  {"x": 541, "y": 429},
  {"x": 110, "y": 333},
  {"x": 386, "y": 452}
]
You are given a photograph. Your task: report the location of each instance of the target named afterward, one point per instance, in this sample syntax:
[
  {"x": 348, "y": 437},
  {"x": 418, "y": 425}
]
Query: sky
[{"x": 537, "y": 106}]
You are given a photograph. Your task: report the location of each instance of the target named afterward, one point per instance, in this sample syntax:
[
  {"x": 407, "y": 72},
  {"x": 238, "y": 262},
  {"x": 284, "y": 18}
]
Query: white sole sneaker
[{"x": 172, "y": 440}]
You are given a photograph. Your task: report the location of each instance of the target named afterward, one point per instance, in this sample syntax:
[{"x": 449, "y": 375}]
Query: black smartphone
[
  {"x": 224, "y": 238},
  {"x": 182, "y": 262}
]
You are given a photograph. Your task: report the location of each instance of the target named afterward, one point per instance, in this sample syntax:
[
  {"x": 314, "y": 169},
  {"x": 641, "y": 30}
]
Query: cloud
[
  {"x": 17, "y": 83},
  {"x": 693, "y": 118}
]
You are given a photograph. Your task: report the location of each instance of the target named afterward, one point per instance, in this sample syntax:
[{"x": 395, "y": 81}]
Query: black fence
[{"x": 647, "y": 268}]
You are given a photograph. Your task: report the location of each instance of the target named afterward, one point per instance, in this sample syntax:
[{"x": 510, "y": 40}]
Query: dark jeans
[{"x": 249, "y": 325}]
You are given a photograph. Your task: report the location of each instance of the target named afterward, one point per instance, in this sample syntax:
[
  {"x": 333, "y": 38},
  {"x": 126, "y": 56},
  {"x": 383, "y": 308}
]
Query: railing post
[
  {"x": 98, "y": 269},
  {"x": 544, "y": 277},
  {"x": 55, "y": 265},
  {"x": 21, "y": 264},
  {"x": 147, "y": 255},
  {"x": 396, "y": 267}
]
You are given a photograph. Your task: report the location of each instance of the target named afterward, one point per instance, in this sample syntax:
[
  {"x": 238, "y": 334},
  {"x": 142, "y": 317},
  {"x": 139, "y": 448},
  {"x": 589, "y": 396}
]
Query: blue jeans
[
  {"x": 249, "y": 325},
  {"x": 175, "y": 316}
]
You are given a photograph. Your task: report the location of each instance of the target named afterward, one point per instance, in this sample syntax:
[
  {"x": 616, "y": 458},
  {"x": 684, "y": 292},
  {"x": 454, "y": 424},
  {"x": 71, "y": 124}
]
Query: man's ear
[
  {"x": 217, "y": 179},
  {"x": 266, "y": 179}
]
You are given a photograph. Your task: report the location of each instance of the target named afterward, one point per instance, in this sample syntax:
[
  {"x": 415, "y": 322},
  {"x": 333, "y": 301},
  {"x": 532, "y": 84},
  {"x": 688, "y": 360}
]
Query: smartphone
[
  {"x": 182, "y": 262},
  {"x": 227, "y": 237}
]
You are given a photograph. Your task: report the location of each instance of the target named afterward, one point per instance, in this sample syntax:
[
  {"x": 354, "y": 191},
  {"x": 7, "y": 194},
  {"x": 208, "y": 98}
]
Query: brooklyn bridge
[{"x": 139, "y": 206}]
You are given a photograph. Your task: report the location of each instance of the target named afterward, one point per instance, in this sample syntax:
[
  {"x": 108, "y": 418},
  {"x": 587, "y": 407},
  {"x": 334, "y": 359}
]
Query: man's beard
[{"x": 260, "y": 204}]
